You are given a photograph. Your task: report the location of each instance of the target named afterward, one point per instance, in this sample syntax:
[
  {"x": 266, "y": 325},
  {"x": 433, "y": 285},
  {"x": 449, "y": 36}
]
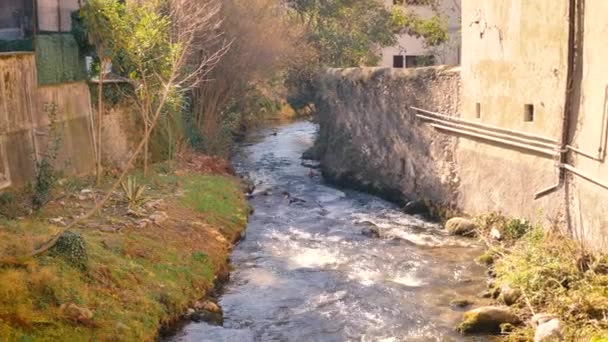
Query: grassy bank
[
  {"x": 140, "y": 268},
  {"x": 549, "y": 273}
]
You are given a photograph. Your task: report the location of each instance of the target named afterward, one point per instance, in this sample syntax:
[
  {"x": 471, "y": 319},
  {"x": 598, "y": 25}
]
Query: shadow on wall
[{"x": 369, "y": 137}]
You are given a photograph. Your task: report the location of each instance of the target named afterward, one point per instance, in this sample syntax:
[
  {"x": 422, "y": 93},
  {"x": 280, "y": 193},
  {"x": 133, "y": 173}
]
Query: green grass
[
  {"x": 218, "y": 198},
  {"x": 557, "y": 277},
  {"x": 135, "y": 280}
]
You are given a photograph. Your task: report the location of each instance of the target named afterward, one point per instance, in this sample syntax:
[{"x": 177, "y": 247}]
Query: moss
[{"x": 469, "y": 323}]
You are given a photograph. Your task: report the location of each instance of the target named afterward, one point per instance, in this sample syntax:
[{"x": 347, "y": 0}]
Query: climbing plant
[{"x": 46, "y": 175}]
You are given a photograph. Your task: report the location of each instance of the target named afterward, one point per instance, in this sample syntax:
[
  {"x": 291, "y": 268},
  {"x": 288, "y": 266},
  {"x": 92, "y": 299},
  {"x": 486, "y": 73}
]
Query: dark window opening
[
  {"x": 402, "y": 166},
  {"x": 419, "y": 61},
  {"x": 478, "y": 110},
  {"x": 16, "y": 25},
  {"x": 528, "y": 112},
  {"x": 398, "y": 61}
]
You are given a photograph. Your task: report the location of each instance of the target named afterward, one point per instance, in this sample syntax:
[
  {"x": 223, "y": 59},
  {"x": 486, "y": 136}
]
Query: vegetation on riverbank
[
  {"x": 549, "y": 273},
  {"x": 124, "y": 273}
]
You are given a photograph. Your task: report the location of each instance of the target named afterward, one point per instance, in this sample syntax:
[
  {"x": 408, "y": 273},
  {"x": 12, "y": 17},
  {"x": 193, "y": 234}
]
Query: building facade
[
  {"x": 44, "y": 95},
  {"x": 535, "y": 85},
  {"x": 411, "y": 51}
]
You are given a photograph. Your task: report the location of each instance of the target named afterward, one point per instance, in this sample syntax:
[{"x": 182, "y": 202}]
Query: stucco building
[
  {"x": 534, "y": 73},
  {"x": 411, "y": 51}
]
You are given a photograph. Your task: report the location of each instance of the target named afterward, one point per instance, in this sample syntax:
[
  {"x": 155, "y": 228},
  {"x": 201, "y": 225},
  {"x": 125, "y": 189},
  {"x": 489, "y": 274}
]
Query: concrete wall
[
  {"x": 24, "y": 121},
  {"x": 589, "y": 202},
  {"x": 510, "y": 60}
]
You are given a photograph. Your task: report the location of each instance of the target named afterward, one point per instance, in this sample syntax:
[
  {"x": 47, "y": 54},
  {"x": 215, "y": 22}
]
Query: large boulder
[
  {"x": 487, "y": 319},
  {"x": 460, "y": 226}
]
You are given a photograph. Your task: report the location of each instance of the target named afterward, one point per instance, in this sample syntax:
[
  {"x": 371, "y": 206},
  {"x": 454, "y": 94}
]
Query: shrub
[{"x": 72, "y": 248}]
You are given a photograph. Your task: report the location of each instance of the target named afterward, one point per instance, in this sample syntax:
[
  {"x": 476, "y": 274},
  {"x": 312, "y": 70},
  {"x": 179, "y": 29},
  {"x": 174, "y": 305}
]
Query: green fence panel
[{"x": 58, "y": 59}]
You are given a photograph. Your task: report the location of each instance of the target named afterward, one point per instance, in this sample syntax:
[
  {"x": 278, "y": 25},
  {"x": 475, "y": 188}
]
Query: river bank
[
  {"x": 555, "y": 286},
  {"x": 322, "y": 263},
  {"x": 125, "y": 273}
]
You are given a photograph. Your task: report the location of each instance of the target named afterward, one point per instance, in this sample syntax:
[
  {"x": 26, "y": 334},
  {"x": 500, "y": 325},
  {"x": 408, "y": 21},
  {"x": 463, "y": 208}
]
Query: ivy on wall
[{"x": 58, "y": 59}]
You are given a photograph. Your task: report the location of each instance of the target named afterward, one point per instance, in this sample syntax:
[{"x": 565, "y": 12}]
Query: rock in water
[
  {"x": 460, "y": 226},
  {"x": 415, "y": 207},
  {"x": 371, "y": 232},
  {"x": 460, "y": 303},
  {"x": 247, "y": 184},
  {"x": 486, "y": 319}
]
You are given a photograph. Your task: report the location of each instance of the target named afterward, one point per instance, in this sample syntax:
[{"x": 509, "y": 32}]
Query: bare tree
[{"x": 191, "y": 24}]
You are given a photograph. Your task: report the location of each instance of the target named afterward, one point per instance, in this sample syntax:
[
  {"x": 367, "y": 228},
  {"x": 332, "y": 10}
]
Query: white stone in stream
[
  {"x": 460, "y": 226},
  {"x": 548, "y": 328}
]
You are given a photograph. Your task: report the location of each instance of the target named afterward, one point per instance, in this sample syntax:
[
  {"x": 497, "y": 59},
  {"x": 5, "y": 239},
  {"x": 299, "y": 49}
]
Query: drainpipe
[{"x": 563, "y": 158}]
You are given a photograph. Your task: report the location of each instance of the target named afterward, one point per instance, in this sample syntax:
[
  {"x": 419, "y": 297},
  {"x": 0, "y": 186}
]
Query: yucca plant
[{"x": 134, "y": 193}]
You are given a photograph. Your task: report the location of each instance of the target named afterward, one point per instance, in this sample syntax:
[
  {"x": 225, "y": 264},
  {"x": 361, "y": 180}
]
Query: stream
[{"x": 305, "y": 271}]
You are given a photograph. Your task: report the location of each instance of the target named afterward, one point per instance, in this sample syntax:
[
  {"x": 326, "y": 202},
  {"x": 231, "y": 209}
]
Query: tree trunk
[
  {"x": 147, "y": 139},
  {"x": 99, "y": 118}
]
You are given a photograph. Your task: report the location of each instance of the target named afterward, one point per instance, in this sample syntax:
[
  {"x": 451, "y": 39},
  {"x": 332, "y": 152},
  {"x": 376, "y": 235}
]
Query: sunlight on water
[{"x": 306, "y": 272}]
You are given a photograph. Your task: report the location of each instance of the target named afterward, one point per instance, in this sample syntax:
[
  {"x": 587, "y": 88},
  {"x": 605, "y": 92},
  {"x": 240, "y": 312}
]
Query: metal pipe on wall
[
  {"x": 583, "y": 175},
  {"x": 552, "y": 146},
  {"x": 488, "y": 127},
  {"x": 567, "y": 103},
  {"x": 547, "y": 152}
]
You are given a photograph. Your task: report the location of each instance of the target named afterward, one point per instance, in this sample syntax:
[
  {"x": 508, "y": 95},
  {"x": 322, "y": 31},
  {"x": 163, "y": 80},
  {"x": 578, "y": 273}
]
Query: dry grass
[{"x": 556, "y": 275}]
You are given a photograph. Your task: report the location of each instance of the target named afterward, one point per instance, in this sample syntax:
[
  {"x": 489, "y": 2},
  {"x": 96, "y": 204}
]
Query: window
[
  {"x": 528, "y": 112},
  {"x": 398, "y": 61},
  {"x": 478, "y": 110},
  {"x": 419, "y": 61},
  {"x": 56, "y": 15},
  {"x": 16, "y": 25}
]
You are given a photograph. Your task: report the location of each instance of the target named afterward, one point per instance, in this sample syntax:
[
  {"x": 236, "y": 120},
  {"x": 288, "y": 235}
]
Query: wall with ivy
[{"x": 58, "y": 59}]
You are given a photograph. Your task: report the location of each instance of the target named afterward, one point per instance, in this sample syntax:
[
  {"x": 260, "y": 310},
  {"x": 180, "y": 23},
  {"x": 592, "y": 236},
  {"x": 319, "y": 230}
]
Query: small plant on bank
[
  {"x": 46, "y": 176},
  {"x": 71, "y": 247},
  {"x": 133, "y": 193}
]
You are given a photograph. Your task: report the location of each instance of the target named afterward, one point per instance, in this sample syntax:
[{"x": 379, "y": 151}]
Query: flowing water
[{"x": 305, "y": 272}]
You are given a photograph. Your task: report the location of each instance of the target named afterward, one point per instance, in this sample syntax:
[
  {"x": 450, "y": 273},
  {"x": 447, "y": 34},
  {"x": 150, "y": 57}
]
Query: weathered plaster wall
[
  {"x": 370, "y": 137},
  {"x": 589, "y": 202},
  {"x": 120, "y": 135},
  {"x": 508, "y": 61},
  {"x": 24, "y": 120}
]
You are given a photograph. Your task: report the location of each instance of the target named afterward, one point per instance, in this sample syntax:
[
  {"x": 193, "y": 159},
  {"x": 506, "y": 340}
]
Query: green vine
[{"x": 46, "y": 176}]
